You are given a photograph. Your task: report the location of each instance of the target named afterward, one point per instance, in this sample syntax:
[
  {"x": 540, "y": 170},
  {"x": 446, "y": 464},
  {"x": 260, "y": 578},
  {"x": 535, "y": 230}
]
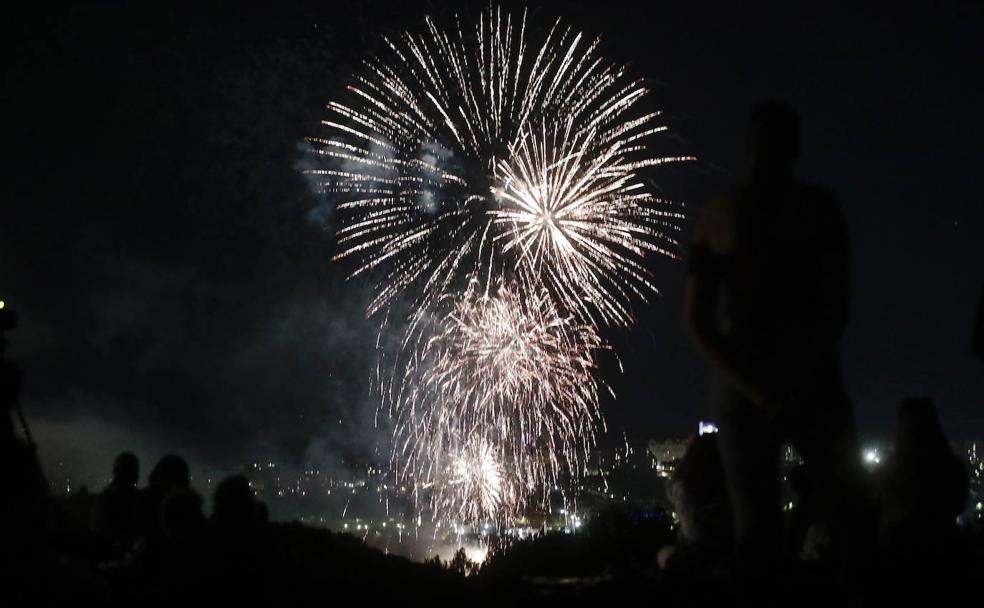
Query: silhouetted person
[
  {"x": 185, "y": 560},
  {"x": 766, "y": 301},
  {"x": 25, "y": 496},
  {"x": 924, "y": 487},
  {"x": 234, "y": 506},
  {"x": 700, "y": 499},
  {"x": 807, "y": 531},
  {"x": 25, "y": 503},
  {"x": 114, "y": 511},
  {"x": 168, "y": 476},
  {"x": 238, "y": 533},
  {"x": 25, "y": 490}
]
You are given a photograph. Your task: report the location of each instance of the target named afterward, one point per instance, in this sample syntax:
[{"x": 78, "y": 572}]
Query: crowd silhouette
[{"x": 766, "y": 302}]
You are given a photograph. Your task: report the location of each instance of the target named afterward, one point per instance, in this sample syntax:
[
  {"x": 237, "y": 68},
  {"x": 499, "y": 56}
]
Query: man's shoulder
[
  {"x": 721, "y": 207},
  {"x": 715, "y": 224}
]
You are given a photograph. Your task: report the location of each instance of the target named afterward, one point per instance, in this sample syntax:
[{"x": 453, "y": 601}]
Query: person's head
[
  {"x": 126, "y": 469},
  {"x": 773, "y": 139},
  {"x": 171, "y": 471},
  {"x": 700, "y": 469},
  {"x": 919, "y": 431},
  {"x": 233, "y": 502}
]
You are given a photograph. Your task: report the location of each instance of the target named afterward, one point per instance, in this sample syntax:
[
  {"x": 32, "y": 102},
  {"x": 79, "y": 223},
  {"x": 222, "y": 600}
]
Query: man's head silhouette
[
  {"x": 170, "y": 472},
  {"x": 773, "y": 140},
  {"x": 126, "y": 469}
]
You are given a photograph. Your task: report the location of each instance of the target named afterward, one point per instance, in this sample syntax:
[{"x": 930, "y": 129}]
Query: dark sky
[{"x": 171, "y": 266}]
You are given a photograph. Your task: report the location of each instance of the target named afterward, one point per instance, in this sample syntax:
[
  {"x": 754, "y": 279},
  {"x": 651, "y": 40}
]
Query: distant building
[
  {"x": 670, "y": 449},
  {"x": 704, "y": 428},
  {"x": 666, "y": 454}
]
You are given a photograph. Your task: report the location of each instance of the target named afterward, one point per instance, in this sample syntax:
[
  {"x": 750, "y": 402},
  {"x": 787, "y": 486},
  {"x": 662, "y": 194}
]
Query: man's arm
[
  {"x": 700, "y": 305},
  {"x": 700, "y": 302}
]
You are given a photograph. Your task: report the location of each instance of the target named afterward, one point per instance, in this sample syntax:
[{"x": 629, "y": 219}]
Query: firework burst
[
  {"x": 571, "y": 206},
  {"x": 502, "y": 379},
  {"x": 493, "y": 178},
  {"x": 452, "y": 150},
  {"x": 475, "y": 487}
]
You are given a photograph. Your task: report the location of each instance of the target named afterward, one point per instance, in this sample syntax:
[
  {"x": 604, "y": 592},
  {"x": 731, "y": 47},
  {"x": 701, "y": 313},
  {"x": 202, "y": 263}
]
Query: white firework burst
[{"x": 451, "y": 149}]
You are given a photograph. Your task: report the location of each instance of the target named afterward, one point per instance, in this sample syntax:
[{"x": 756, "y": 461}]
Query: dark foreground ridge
[{"x": 130, "y": 546}]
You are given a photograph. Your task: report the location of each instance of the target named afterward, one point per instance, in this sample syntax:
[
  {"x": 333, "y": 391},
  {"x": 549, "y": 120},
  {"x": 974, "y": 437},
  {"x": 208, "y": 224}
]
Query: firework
[
  {"x": 494, "y": 180},
  {"x": 503, "y": 382},
  {"x": 474, "y": 486},
  {"x": 474, "y": 156},
  {"x": 572, "y": 208}
]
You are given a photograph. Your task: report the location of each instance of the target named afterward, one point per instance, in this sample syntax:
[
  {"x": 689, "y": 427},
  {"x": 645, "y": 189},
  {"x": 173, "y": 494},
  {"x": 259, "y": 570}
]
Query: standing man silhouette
[{"x": 766, "y": 302}]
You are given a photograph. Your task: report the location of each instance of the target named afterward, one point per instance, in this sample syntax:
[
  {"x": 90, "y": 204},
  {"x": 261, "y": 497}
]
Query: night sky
[{"x": 171, "y": 266}]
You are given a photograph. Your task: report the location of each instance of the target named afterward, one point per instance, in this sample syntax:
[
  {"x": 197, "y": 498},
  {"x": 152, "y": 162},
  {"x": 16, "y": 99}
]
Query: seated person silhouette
[
  {"x": 697, "y": 492},
  {"x": 114, "y": 511},
  {"x": 766, "y": 302},
  {"x": 923, "y": 487},
  {"x": 169, "y": 476}
]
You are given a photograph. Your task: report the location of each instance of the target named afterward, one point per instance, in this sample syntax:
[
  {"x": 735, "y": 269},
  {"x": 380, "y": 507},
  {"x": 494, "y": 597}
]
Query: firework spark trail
[{"x": 493, "y": 179}]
